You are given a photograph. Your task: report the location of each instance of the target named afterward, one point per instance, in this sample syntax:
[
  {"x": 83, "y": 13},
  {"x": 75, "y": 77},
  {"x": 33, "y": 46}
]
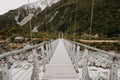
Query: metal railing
[
  {"x": 22, "y": 50},
  {"x": 84, "y": 56},
  {"x": 28, "y": 61},
  {"x": 96, "y": 49}
]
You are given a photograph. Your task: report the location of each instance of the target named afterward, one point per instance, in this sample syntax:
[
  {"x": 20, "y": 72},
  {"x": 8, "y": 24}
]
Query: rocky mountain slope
[{"x": 64, "y": 16}]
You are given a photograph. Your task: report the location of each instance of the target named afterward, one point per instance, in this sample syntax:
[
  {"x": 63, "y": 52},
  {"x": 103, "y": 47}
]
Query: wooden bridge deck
[{"x": 60, "y": 66}]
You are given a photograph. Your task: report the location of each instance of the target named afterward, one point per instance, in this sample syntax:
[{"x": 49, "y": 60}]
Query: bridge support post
[
  {"x": 73, "y": 54},
  {"x": 44, "y": 58},
  {"x": 114, "y": 71},
  {"x": 70, "y": 50},
  {"x": 76, "y": 58},
  {"x": 47, "y": 53},
  {"x": 85, "y": 73},
  {"x": 35, "y": 73},
  {"x": 52, "y": 49},
  {"x": 49, "y": 50},
  {"x": 4, "y": 72},
  {"x": 44, "y": 65}
]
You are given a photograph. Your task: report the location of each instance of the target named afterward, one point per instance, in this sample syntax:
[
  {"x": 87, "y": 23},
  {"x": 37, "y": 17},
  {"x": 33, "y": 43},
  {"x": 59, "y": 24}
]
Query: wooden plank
[{"x": 60, "y": 66}]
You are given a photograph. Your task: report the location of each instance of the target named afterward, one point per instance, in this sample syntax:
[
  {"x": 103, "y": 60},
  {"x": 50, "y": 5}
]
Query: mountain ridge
[{"x": 105, "y": 20}]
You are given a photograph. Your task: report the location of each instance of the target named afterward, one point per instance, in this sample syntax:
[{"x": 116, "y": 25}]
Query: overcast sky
[{"x": 6, "y": 5}]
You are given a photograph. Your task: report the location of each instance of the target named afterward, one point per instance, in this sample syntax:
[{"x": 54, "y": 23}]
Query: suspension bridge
[{"x": 59, "y": 59}]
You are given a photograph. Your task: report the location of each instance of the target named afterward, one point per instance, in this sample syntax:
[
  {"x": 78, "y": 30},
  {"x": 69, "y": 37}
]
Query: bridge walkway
[{"x": 60, "y": 66}]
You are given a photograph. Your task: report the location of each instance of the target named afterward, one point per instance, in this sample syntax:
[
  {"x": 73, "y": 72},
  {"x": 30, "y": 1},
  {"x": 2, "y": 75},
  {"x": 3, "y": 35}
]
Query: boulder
[{"x": 19, "y": 39}]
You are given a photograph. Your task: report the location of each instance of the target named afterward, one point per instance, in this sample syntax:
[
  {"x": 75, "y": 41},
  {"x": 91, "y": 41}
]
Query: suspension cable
[
  {"x": 22, "y": 73},
  {"x": 47, "y": 29},
  {"x": 27, "y": 75},
  {"x": 75, "y": 20},
  {"x": 18, "y": 70},
  {"x": 19, "y": 12},
  {"x": 31, "y": 38},
  {"x": 46, "y": 17},
  {"x": 91, "y": 20}
]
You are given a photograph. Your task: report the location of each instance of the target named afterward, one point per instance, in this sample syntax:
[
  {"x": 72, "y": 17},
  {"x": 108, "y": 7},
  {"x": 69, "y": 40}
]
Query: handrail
[
  {"x": 96, "y": 49},
  {"x": 23, "y": 50}
]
